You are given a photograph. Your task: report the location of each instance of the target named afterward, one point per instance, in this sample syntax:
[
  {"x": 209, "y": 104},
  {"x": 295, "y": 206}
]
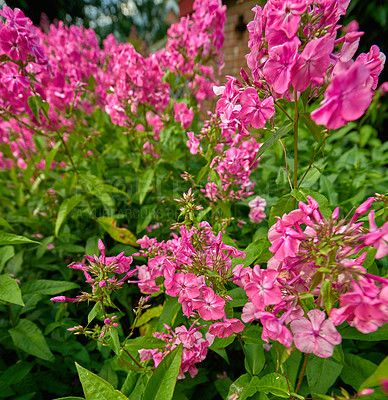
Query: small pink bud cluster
[{"x": 108, "y": 325}]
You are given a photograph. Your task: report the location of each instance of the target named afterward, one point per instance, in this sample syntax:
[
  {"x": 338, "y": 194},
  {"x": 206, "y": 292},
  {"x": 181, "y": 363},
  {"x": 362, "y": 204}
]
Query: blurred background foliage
[{"x": 145, "y": 18}]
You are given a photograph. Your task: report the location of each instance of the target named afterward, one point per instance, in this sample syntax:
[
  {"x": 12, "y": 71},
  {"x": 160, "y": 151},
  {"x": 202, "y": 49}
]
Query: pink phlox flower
[
  {"x": 350, "y": 45},
  {"x": 285, "y": 15},
  {"x": 15, "y": 18},
  {"x": 312, "y": 64},
  {"x": 262, "y": 290},
  {"x": 227, "y": 104},
  {"x": 209, "y": 306},
  {"x": 183, "y": 114},
  {"x": 274, "y": 329},
  {"x": 250, "y": 313},
  {"x": 316, "y": 334},
  {"x": 241, "y": 275},
  {"x": 253, "y": 111},
  {"x": 377, "y": 237},
  {"x": 374, "y": 61},
  {"x": 277, "y": 70},
  {"x": 226, "y": 328},
  {"x": 346, "y": 98},
  {"x": 192, "y": 143},
  {"x": 184, "y": 285},
  {"x": 14, "y": 44},
  {"x": 147, "y": 354}
]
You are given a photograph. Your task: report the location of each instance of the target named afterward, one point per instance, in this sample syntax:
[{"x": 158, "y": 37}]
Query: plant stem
[
  {"x": 303, "y": 370},
  {"x": 284, "y": 111},
  {"x": 296, "y": 120},
  {"x": 133, "y": 359}
]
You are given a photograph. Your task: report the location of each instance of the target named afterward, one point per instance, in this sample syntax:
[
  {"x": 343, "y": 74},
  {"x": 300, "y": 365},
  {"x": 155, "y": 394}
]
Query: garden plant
[{"x": 166, "y": 236}]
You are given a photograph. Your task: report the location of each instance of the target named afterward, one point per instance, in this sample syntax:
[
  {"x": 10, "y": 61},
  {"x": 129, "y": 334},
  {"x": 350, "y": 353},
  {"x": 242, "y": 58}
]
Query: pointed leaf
[
  {"x": 243, "y": 387},
  {"x": 281, "y": 132},
  {"x": 47, "y": 287},
  {"x": 10, "y": 291},
  {"x": 162, "y": 382},
  {"x": 145, "y": 183},
  {"x": 29, "y": 338},
  {"x": 96, "y": 388},
  {"x": 9, "y": 238},
  {"x": 65, "y": 209},
  {"x": 121, "y": 235}
]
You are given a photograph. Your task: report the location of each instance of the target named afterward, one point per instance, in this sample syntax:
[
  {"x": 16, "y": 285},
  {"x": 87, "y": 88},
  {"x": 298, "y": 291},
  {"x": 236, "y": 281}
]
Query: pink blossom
[
  {"x": 210, "y": 306},
  {"x": 192, "y": 143},
  {"x": 277, "y": 70},
  {"x": 346, "y": 98},
  {"x": 377, "y": 237},
  {"x": 183, "y": 114},
  {"x": 315, "y": 334},
  {"x": 274, "y": 329},
  {"x": 312, "y": 64},
  {"x": 226, "y": 328},
  {"x": 261, "y": 289},
  {"x": 253, "y": 111}
]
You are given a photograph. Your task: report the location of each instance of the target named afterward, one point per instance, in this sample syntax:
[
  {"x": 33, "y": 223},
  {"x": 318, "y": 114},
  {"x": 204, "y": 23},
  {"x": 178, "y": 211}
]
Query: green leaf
[
  {"x": 374, "y": 379},
  {"x": 169, "y": 313},
  {"x": 144, "y": 342},
  {"x": 124, "y": 363},
  {"x": 327, "y": 295},
  {"x": 65, "y": 209},
  {"x": 16, "y": 373},
  {"x": 96, "y": 388},
  {"x": 162, "y": 382},
  {"x": 324, "y": 206},
  {"x": 47, "y": 287},
  {"x": 153, "y": 312},
  {"x": 275, "y": 384},
  {"x": 352, "y": 333},
  {"x": 239, "y": 296},
  {"x": 10, "y": 291},
  {"x": 4, "y": 223},
  {"x": 50, "y": 157},
  {"x": 243, "y": 387},
  {"x": 282, "y": 206},
  {"x": 29, "y": 338},
  {"x": 356, "y": 370},
  {"x": 9, "y": 238},
  {"x": 121, "y": 235},
  {"x": 114, "y": 341},
  {"x": 6, "y": 253},
  {"x": 96, "y": 187},
  {"x": 255, "y": 250},
  {"x": 94, "y": 312},
  {"x": 145, "y": 182},
  {"x": 36, "y": 103},
  {"x": 321, "y": 374},
  {"x": 316, "y": 130},
  {"x": 70, "y": 398},
  {"x": 281, "y": 132},
  {"x": 255, "y": 357}
]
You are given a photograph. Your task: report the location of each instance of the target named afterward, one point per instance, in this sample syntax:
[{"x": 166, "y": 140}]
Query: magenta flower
[
  {"x": 277, "y": 70},
  {"x": 253, "y": 111},
  {"x": 211, "y": 306},
  {"x": 377, "y": 237},
  {"x": 315, "y": 335},
  {"x": 184, "y": 285},
  {"x": 183, "y": 114},
  {"x": 226, "y": 328},
  {"x": 312, "y": 64},
  {"x": 192, "y": 143},
  {"x": 274, "y": 329},
  {"x": 262, "y": 290},
  {"x": 346, "y": 98}
]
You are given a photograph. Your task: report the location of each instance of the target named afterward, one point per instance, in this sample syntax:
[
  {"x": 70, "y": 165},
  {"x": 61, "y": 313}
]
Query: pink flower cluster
[
  {"x": 68, "y": 70},
  {"x": 292, "y": 44},
  {"x": 101, "y": 273},
  {"x": 234, "y": 167},
  {"x": 257, "y": 212},
  {"x": 310, "y": 253},
  {"x": 194, "y": 348}
]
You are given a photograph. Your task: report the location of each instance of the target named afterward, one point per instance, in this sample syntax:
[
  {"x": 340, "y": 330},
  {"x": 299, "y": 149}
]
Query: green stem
[
  {"x": 133, "y": 359},
  {"x": 303, "y": 370},
  {"x": 296, "y": 120},
  {"x": 284, "y": 111}
]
